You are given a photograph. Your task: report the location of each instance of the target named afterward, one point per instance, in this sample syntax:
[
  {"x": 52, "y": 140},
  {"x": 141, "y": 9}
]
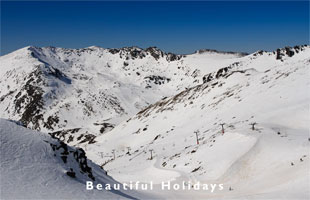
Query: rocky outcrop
[{"x": 73, "y": 158}]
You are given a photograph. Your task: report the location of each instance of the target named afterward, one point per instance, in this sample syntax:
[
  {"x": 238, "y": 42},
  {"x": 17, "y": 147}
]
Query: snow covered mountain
[
  {"x": 265, "y": 90},
  {"x": 78, "y": 94},
  {"x": 146, "y": 115},
  {"x": 36, "y": 166}
]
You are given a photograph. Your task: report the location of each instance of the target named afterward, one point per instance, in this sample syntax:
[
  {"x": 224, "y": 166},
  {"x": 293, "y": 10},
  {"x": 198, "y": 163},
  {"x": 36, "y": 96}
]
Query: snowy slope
[
  {"x": 78, "y": 94},
  {"x": 271, "y": 161},
  {"x": 131, "y": 101},
  {"x": 34, "y": 166}
]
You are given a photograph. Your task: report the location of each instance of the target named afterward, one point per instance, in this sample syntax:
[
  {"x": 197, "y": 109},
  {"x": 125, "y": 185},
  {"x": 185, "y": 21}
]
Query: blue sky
[{"x": 179, "y": 27}]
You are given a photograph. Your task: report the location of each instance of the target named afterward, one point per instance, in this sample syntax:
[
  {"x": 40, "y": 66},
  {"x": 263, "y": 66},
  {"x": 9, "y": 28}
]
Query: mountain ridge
[
  {"x": 151, "y": 116},
  {"x": 43, "y": 79}
]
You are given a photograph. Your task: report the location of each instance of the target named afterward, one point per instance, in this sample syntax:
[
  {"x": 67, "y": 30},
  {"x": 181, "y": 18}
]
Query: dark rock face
[
  {"x": 90, "y": 138},
  {"x": 129, "y": 52},
  {"x": 139, "y": 53},
  {"x": 69, "y": 135},
  {"x": 51, "y": 120},
  {"x": 221, "y": 72},
  {"x": 71, "y": 173},
  {"x": 125, "y": 64},
  {"x": 77, "y": 155},
  {"x": 81, "y": 158},
  {"x": 155, "y": 52},
  {"x": 157, "y": 80},
  {"x": 114, "y": 51},
  {"x": 105, "y": 126},
  {"x": 29, "y": 100},
  {"x": 207, "y": 78},
  {"x": 173, "y": 57},
  {"x": 289, "y": 51},
  {"x": 61, "y": 135},
  {"x": 279, "y": 54},
  {"x": 259, "y": 53}
]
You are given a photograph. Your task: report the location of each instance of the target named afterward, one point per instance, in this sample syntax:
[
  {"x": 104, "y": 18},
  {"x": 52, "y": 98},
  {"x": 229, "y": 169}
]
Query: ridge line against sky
[{"x": 178, "y": 27}]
